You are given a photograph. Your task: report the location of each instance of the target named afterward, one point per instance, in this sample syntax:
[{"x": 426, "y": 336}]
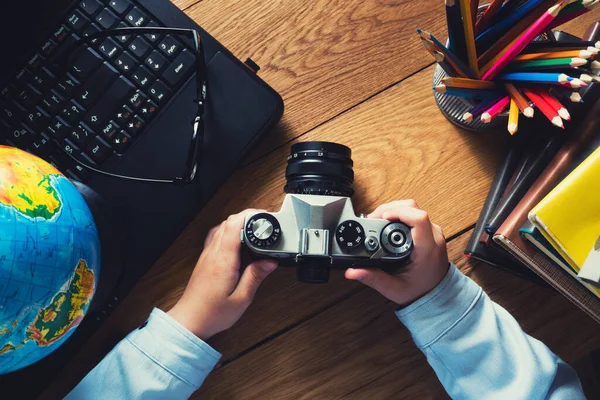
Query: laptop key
[
  {"x": 156, "y": 62},
  {"x": 28, "y": 97},
  {"x": 58, "y": 129},
  {"x": 98, "y": 150},
  {"x": 90, "y": 30},
  {"x": 179, "y": 68},
  {"x": 109, "y": 104},
  {"x": 153, "y": 37},
  {"x": 21, "y": 136},
  {"x": 78, "y": 172},
  {"x": 170, "y": 46},
  {"x": 136, "y": 17},
  {"x": 96, "y": 86},
  {"x": 123, "y": 39},
  {"x": 67, "y": 86},
  {"x": 159, "y": 92},
  {"x": 139, "y": 47},
  {"x": 60, "y": 33},
  {"x": 126, "y": 63},
  {"x": 37, "y": 119},
  {"x": 119, "y": 6},
  {"x": 43, "y": 80},
  {"x": 134, "y": 126},
  {"x": 124, "y": 115},
  {"x": 136, "y": 100},
  {"x": 120, "y": 142},
  {"x": 107, "y": 19},
  {"x": 35, "y": 61},
  {"x": 142, "y": 76},
  {"x": 86, "y": 61},
  {"x": 41, "y": 146},
  {"x": 110, "y": 130},
  {"x": 77, "y": 21},
  {"x": 11, "y": 113},
  {"x": 52, "y": 103},
  {"x": 90, "y": 7},
  {"x": 110, "y": 48},
  {"x": 72, "y": 113},
  {"x": 80, "y": 135},
  {"x": 147, "y": 110},
  {"x": 48, "y": 48}
]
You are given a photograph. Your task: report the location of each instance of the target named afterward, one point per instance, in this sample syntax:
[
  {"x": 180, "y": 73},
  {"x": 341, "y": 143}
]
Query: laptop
[{"x": 139, "y": 220}]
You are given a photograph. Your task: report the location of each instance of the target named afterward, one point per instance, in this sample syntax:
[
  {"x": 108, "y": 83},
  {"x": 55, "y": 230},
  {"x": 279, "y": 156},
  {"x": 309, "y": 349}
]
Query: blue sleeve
[
  {"x": 478, "y": 350},
  {"x": 160, "y": 360}
]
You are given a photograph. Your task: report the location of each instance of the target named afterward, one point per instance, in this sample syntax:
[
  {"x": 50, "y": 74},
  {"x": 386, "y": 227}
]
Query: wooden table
[{"x": 352, "y": 72}]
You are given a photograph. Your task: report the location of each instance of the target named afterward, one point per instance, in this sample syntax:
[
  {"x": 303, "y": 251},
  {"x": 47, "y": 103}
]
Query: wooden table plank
[
  {"x": 324, "y": 56},
  {"x": 358, "y": 349},
  {"x": 402, "y": 147}
]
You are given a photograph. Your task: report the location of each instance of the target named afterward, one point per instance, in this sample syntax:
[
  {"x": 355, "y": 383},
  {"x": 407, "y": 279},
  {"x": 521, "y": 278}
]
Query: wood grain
[
  {"x": 323, "y": 56},
  {"x": 359, "y": 350},
  {"x": 402, "y": 147}
]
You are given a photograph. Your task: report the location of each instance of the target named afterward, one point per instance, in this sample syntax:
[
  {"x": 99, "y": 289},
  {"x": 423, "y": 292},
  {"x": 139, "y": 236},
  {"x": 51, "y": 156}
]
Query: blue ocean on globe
[{"x": 49, "y": 263}]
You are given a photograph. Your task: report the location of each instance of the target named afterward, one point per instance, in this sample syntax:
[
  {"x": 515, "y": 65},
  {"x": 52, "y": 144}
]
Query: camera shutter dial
[
  {"x": 396, "y": 238},
  {"x": 263, "y": 230},
  {"x": 350, "y": 235}
]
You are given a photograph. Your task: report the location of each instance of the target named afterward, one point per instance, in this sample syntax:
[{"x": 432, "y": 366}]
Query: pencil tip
[
  {"x": 486, "y": 118},
  {"x": 558, "y": 122},
  {"x": 528, "y": 112},
  {"x": 467, "y": 117},
  {"x": 564, "y": 114},
  {"x": 595, "y": 65}
]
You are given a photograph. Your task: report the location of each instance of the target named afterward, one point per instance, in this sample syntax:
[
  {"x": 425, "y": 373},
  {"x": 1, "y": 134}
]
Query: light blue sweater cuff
[
  {"x": 174, "y": 348},
  {"x": 434, "y": 314}
]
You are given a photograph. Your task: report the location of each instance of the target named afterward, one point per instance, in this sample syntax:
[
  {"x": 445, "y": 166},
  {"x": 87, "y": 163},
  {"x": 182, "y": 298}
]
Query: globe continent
[{"x": 49, "y": 259}]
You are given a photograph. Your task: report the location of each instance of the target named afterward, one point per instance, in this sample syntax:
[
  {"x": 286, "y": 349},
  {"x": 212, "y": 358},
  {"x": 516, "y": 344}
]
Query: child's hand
[
  {"x": 429, "y": 257},
  {"x": 216, "y": 295}
]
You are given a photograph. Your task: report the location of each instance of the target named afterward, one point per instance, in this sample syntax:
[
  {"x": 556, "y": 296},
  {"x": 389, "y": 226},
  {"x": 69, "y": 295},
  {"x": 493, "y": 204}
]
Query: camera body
[{"x": 317, "y": 229}]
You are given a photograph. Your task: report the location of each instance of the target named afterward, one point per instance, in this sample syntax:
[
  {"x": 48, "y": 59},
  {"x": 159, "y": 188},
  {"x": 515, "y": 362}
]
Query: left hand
[{"x": 217, "y": 295}]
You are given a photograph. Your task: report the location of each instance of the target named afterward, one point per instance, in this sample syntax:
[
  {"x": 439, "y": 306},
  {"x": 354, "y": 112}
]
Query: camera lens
[{"x": 320, "y": 168}]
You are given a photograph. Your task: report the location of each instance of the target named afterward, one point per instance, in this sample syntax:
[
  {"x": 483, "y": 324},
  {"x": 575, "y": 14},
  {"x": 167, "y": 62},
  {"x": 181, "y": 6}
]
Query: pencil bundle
[{"x": 492, "y": 61}]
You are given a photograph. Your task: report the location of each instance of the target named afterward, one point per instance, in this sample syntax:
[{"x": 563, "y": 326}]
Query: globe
[{"x": 49, "y": 259}]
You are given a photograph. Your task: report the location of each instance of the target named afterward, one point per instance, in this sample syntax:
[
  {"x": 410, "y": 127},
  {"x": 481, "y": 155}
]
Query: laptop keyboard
[{"x": 99, "y": 104}]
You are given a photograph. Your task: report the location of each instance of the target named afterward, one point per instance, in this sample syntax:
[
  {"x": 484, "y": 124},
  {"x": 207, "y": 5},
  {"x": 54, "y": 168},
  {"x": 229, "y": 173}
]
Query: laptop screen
[{"x": 24, "y": 25}]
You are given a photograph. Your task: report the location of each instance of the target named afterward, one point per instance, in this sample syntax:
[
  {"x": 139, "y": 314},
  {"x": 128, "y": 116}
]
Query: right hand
[{"x": 429, "y": 257}]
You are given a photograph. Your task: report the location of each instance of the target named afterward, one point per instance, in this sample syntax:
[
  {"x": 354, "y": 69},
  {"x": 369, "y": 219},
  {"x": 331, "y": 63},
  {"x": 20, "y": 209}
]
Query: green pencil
[{"x": 548, "y": 64}]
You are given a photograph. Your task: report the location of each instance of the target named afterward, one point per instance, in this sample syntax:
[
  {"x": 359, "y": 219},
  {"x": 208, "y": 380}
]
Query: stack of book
[{"x": 542, "y": 213}]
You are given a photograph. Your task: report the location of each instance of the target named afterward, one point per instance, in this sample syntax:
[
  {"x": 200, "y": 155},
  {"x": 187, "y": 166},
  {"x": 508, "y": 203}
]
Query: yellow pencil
[
  {"x": 465, "y": 9},
  {"x": 513, "y": 117}
]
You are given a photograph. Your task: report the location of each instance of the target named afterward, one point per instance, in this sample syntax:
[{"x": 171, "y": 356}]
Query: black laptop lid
[{"x": 23, "y": 26}]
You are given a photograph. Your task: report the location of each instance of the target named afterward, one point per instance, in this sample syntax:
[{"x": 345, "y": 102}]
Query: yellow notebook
[{"x": 569, "y": 216}]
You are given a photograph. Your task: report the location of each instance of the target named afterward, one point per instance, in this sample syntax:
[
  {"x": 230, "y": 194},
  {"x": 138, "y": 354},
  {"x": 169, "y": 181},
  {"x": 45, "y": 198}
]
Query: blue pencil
[
  {"x": 451, "y": 56},
  {"x": 494, "y": 32},
  {"x": 456, "y": 33},
  {"x": 540, "y": 77},
  {"x": 468, "y": 93}
]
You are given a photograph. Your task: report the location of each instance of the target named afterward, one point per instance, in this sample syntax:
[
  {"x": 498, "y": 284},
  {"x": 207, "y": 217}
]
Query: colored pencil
[
  {"x": 576, "y": 97},
  {"x": 525, "y": 12},
  {"x": 489, "y": 12},
  {"x": 458, "y": 64},
  {"x": 538, "y": 26},
  {"x": 513, "y": 117},
  {"x": 553, "y": 102},
  {"x": 478, "y": 109},
  {"x": 572, "y": 11},
  {"x": 464, "y": 92},
  {"x": 593, "y": 50},
  {"x": 456, "y": 34},
  {"x": 520, "y": 100},
  {"x": 495, "y": 109},
  {"x": 468, "y": 83},
  {"x": 540, "y": 77},
  {"x": 467, "y": 17},
  {"x": 547, "y": 55},
  {"x": 573, "y": 84},
  {"x": 474, "y": 13},
  {"x": 441, "y": 60},
  {"x": 552, "y": 63},
  {"x": 536, "y": 47},
  {"x": 544, "y": 107},
  {"x": 594, "y": 65}
]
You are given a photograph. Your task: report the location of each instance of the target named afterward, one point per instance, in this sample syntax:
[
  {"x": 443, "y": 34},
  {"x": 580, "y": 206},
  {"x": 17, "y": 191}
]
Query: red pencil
[
  {"x": 544, "y": 107},
  {"x": 554, "y": 103},
  {"x": 495, "y": 109}
]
